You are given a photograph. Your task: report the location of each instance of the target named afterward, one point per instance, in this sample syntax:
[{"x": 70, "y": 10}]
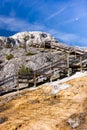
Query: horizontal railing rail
[
  {"x": 6, "y": 80},
  {"x": 46, "y": 72}
]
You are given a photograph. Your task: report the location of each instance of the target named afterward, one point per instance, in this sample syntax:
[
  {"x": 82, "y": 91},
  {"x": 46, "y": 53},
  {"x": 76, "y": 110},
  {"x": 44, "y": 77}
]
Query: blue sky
[{"x": 64, "y": 19}]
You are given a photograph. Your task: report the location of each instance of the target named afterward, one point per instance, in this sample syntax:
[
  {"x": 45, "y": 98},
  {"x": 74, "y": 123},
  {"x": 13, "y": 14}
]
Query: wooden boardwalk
[{"x": 70, "y": 61}]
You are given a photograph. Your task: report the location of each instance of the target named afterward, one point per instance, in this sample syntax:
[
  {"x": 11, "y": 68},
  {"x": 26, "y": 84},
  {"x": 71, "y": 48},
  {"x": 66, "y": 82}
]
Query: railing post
[
  {"x": 81, "y": 63},
  {"x": 68, "y": 64},
  {"x": 17, "y": 82},
  {"x": 50, "y": 73},
  {"x": 75, "y": 52},
  {"x": 34, "y": 78},
  {"x": 28, "y": 81}
]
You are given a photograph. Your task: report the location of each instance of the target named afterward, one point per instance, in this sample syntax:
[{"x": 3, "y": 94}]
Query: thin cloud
[
  {"x": 71, "y": 20},
  {"x": 15, "y": 24},
  {"x": 56, "y": 13},
  {"x": 76, "y": 19},
  {"x": 68, "y": 38},
  {"x": 72, "y": 39}
]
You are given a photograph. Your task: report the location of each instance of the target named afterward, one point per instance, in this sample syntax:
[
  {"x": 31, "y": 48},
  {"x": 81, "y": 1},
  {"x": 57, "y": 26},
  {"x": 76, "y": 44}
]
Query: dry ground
[{"x": 34, "y": 110}]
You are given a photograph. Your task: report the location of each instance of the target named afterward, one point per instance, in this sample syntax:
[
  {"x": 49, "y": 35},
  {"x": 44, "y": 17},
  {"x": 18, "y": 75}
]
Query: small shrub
[
  {"x": 30, "y": 53},
  {"x": 25, "y": 70},
  {"x": 26, "y": 38},
  {"x": 9, "y": 56},
  {"x": 21, "y": 46},
  {"x": 8, "y": 45}
]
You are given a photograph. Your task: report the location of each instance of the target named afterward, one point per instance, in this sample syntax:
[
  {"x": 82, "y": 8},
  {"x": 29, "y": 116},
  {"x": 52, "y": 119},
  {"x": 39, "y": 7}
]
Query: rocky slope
[
  {"x": 33, "y": 58},
  {"x": 19, "y": 45}
]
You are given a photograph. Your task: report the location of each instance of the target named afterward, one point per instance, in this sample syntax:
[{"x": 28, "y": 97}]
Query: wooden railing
[
  {"x": 64, "y": 63},
  {"x": 6, "y": 80}
]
